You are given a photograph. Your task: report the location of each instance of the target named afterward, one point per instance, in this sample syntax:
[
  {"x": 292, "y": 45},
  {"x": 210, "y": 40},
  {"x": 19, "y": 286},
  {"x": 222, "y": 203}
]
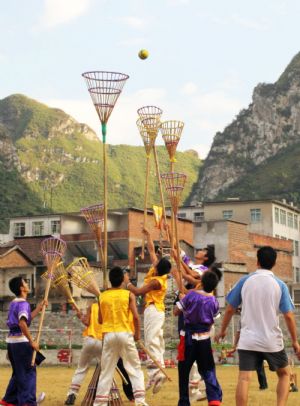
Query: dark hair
[
  {"x": 266, "y": 257},
  {"x": 116, "y": 276},
  {"x": 163, "y": 266},
  {"x": 15, "y": 285},
  {"x": 217, "y": 271},
  {"x": 210, "y": 254},
  {"x": 209, "y": 281}
]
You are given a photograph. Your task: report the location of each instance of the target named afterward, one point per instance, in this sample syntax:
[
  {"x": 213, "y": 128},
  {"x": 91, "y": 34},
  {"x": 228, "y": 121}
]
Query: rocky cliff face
[{"x": 270, "y": 124}]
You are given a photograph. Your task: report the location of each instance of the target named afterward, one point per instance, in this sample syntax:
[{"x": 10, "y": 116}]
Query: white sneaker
[
  {"x": 141, "y": 403},
  {"x": 41, "y": 398},
  {"x": 149, "y": 384},
  {"x": 159, "y": 381},
  {"x": 196, "y": 395}
]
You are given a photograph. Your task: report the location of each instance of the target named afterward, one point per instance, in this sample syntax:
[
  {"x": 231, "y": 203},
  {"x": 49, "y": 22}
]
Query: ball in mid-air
[{"x": 143, "y": 54}]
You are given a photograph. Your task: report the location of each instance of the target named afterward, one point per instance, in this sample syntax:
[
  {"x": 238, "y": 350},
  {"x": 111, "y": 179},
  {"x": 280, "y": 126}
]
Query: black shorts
[{"x": 250, "y": 360}]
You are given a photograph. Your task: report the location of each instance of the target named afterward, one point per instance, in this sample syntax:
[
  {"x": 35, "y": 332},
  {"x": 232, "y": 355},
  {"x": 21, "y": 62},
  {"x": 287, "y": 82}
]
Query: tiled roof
[{"x": 31, "y": 246}]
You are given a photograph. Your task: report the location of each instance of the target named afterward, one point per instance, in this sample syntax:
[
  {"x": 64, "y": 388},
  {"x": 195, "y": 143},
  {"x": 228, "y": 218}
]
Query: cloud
[
  {"x": 132, "y": 41},
  {"x": 202, "y": 149},
  {"x": 62, "y": 11},
  {"x": 189, "y": 88},
  {"x": 203, "y": 113},
  {"x": 133, "y": 22},
  {"x": 258, "y": 24}
]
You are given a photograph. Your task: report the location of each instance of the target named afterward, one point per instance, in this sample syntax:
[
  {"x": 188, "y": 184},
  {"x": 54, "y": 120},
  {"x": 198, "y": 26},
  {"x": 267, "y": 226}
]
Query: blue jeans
[{"x": 21, "y": 390}]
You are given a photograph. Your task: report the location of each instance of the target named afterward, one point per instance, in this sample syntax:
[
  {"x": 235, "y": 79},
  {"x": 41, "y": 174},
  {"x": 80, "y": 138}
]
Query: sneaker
[
  {"x": 160, "y": 380},
  {"x": 293, "y": 388},
  {"x": 40, "y": 398},
  {"x": 197, "y": 395},
  {"x": 4, "y": 403},
  {"x": 70, "y": 399},
  {"x": 149, "y": 384},
  {"x": 141, "y": 404}
]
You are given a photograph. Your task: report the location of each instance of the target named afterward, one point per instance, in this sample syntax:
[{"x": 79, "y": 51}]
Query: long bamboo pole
[
  {"x": 154, "y": 360},
  {"x": 42, "y": 316},
  {"x": 145, "y": 203},
  {"x": 160, "y": 189},
  {"x": 174, "y": 210},
  {"x": 105, "y": 284}
]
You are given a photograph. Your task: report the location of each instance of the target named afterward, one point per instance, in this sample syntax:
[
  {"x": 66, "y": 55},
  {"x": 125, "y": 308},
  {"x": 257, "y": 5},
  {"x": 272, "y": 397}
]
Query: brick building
[
  {"x": 124, "y": 243},
  {"x": 236, "y": 249}
]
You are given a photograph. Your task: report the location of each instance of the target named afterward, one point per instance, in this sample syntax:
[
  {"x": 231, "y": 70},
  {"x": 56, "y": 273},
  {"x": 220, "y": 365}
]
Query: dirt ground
[{"x": 55, "y": 381}]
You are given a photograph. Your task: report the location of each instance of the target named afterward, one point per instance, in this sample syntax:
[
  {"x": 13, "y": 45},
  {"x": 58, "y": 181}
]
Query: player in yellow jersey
[
  {"x": 117, "y": 308},
  {"x": 91, "y": 349},
  {"x": 154, "y": 289}
]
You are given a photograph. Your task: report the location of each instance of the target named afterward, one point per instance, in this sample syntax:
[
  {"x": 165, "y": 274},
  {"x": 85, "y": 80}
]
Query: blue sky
[{"x": 205, "y": 57}]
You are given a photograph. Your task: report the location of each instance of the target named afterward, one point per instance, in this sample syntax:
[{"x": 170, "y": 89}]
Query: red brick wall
[
  {"x": 283, "y": 268},
  {"x": 242, "y": 248}
]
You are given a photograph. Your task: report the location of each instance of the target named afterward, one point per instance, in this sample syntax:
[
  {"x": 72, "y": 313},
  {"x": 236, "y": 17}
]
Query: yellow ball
[{"x": 143, "y": 54}]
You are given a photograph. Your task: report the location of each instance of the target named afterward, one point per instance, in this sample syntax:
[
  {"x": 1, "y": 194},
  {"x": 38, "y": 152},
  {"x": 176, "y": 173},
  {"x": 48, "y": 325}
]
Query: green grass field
[{"x": 54, "y": 381}]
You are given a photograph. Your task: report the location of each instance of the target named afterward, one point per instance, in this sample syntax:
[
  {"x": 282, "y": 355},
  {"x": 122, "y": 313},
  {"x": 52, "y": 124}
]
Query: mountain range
[{"x": 51, "y": 163}]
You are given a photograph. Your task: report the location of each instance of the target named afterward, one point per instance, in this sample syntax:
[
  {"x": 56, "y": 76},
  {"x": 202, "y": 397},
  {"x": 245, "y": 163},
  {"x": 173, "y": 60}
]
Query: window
[
  {"x": 297, "y": 275},
  {"x": 255, "y": 215},
  {"x": 19, "y": 229},
  {"x": 37, "y": 228},
  {"x": 55, "y": 226},
  {"x": 296, "y": 248},
  {"x": 199, "y": 216},
  {"x": 295, "y": 221},
  {"x": 182, "y": 215},
  {"x": 227, "y": 214},
  {"x": 283, "y": 238},
  {"x": 282, "y": 217},
  {"x": 297, "y": 297},
  {"x": 276, "y": 215},
  {"x": 290, "y": 220},
  {"x": 277, "y": 236}
]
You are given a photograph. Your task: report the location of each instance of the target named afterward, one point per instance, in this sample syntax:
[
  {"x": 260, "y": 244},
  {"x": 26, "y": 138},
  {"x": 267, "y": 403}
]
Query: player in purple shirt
[
  {"x": 199, "y": 307},
  {"x": 21, "y": 390}
]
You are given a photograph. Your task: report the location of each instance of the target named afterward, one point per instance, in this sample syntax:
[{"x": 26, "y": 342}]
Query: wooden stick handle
[
  {"x": 145, "y": 205},
  {"x": 160, "y": 189},
  {"x": 178, "y": 251},
  {"x": 122, "y": 376},
  {"x": 154, "y": 360},
  {"x": 48, "y": 285}
]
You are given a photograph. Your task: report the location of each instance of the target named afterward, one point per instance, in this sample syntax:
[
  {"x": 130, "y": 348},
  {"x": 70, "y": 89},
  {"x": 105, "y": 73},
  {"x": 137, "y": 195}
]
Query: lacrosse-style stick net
[
  {"x": 105, "y": 89},
  {"x": 94, "y": 216},
  {"x": 114, "y": 397},
  {"x": 52, "y": 250},
  {"x": 174, "y": 185},
  {"x": 148, "y": 136},
  {"x": 60, "y": 281},
  {"x": 82, "y": 276}
]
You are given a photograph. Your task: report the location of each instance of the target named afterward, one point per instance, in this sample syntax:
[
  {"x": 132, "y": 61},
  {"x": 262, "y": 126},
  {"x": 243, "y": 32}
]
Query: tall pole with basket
[
  {"x": 94, "y": 216},
  {"x": 52, "y": 250},
  {"x": 174, "y": 185},
  {"x": 171, "y": 133},
  {"x": 105, "y": 89},
  {"x": 150, "y": 119},
  {"x": 148, "y": 137}
]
